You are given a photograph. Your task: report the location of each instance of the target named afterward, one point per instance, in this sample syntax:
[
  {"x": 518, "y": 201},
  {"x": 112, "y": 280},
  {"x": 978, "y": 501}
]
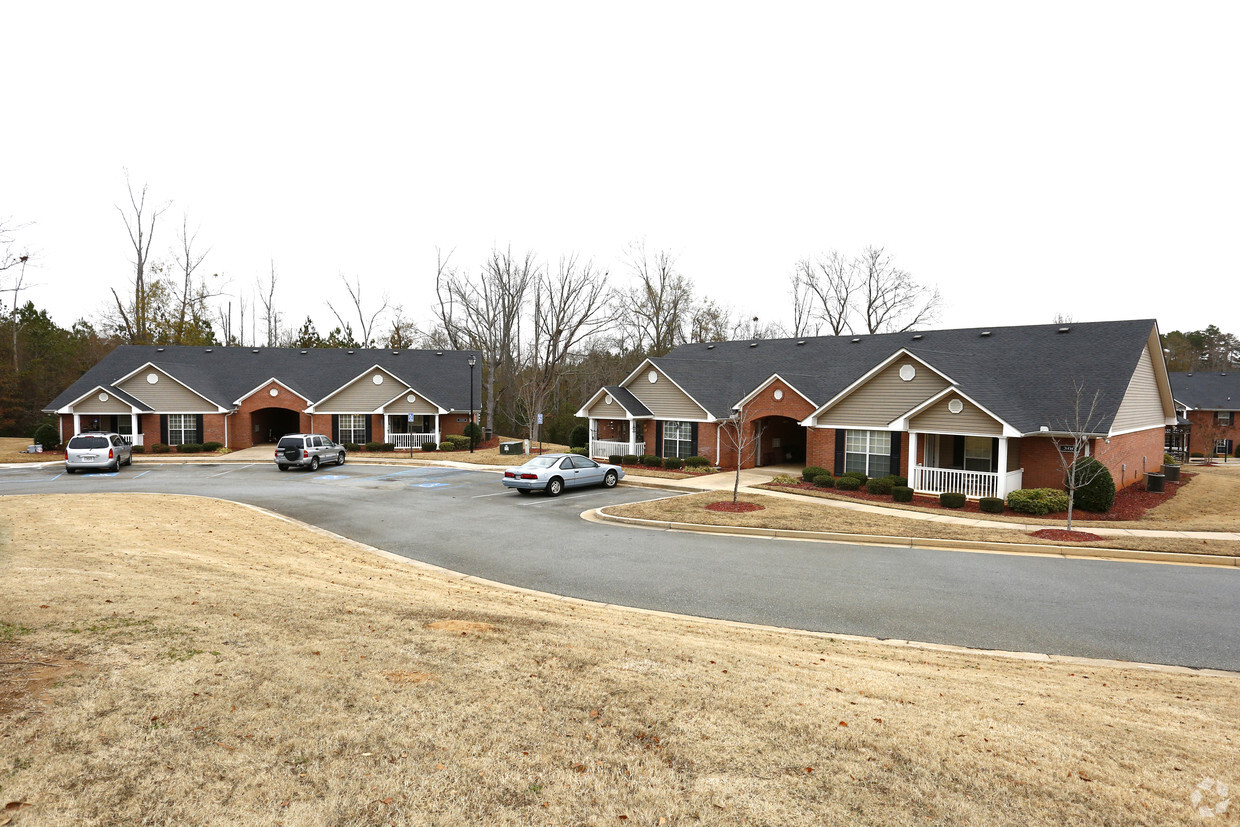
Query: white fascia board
[
  {"x": 590, "y": 403},
  {"x": 1135, "y": 430},
  {"x": 766, "y": 385},
  {"x": 265, "y": 384},
  {"x": 1165, "y": 391},
  {"x": 374, "y": 367},
  {"x": 901, "y": 423},
  {"x": 382, "y": 409},
  {"x": 811, "y": 420},
  {"x": 668, "y": 377},
  {"x": 218, "y": 408},
  {"x": 68, "y": 409},
  {"x": 602, "y": 392}
]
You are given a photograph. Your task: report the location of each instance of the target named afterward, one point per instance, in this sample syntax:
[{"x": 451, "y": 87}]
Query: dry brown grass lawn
[
  {"x": 786, "y": 513},
  {"x": 13, "y": 449},
  {"x": 220, "y": 665}
]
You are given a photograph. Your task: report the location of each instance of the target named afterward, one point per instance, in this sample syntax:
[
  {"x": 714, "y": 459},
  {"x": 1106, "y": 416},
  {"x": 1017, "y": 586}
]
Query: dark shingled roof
[
  {"x": 1208, "y": 391},
  {"x": 627, "y": 400},
  {"x": 1022, "y": 374},
  {"x": 225, "y": 374}
]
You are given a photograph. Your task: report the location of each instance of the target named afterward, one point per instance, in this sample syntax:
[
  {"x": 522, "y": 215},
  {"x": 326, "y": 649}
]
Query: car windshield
[
  {"x": 290, "y": 442},
  {"x": 542, "y": 462},
  {"x": 88, "y": 442}
]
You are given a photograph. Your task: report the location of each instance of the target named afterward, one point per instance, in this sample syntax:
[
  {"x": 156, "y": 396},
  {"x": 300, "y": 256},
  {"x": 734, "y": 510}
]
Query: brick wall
[
  {"x": 820, "y": 448},
  {"x": 1123, "y": 457},
  {"x": 448, "y": 424},
  {"x": 241, "y": 424},
  {"x": 1198, "y": 441}
]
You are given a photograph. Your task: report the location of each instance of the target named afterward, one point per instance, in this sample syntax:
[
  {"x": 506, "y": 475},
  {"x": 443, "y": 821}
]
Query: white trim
[
  {"x": 202, "y": 396},
  {"x": 708, "y": 416},
  {"x": 265, "y": 384},
  {"x": 811, "y": 420},
  {"x": 68, "y": 408},
  {"x": 766, "y": 385},
  {"x": 901, "y": 423},
  {"x": 368, "y": 370},
  {"x": 439, "y": 409},
  {"x": 1136, "y": 430},
  {"x": 584, "y": 410}
]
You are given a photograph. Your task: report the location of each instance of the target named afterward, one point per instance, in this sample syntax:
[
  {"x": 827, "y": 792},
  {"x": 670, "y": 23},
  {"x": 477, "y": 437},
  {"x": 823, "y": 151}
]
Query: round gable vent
[
  {"x": 377, "y": 379},
  {"x": 152, "y": 378},
  {"x": 411, "y": 398},
  {"x": 653, "y": 376},
  {"x": 103, "y": 397},
  {"x": 907, "y": 372},
  {"x": 607, "y": 400},
  {"x": 779, "y": 394},
  {"x": 955, "y": 406},
  {"x": 274, "y": 392}
]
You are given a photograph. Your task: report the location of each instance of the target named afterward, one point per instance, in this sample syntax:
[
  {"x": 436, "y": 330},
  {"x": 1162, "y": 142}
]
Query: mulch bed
[
  {"x": 734, "y": 508},
  {"x": 1130, "y": 503},
  {"x": 1062, "y": 536}
]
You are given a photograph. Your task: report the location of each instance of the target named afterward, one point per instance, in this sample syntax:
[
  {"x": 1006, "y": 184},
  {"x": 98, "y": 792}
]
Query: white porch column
[
  {"x": 1001, "y": 486},
  {"x": 133, "y": 426},
  {"x": 912, "y": 460},
  {"x": 591, "y": 435},
  {"x": 632, "y": 435},
  {"x": 77, "y": 424},
  {"x": 438, "y": 438}
]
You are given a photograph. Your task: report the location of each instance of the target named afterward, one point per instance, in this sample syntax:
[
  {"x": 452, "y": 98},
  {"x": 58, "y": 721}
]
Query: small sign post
[{"x": 540, "y": 450}]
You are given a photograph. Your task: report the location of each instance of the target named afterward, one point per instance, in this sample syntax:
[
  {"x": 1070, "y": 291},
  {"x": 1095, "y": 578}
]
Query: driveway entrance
[{"x": 269, "y": 424}]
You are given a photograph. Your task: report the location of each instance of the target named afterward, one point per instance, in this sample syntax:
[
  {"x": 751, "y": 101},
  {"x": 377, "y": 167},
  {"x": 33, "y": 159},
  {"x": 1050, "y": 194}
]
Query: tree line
[{"x": 551, "y": 329}]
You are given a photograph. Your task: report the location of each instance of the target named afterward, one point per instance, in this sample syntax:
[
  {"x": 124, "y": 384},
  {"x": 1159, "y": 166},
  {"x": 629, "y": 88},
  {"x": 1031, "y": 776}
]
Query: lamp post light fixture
[{"x": 473, "y": 360}]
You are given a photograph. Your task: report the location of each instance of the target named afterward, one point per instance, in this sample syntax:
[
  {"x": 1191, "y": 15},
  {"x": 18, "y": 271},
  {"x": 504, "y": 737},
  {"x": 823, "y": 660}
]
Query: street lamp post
[{"x": 472, "y": 361}]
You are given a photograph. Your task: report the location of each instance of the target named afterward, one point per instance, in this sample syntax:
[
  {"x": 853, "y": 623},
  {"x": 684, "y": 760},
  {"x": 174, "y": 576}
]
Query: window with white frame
[
  {"x": 1222, "y": 446},
  {"x": 182, "y": 428},
  {"x": 1224, "y": 417},
  {"x": 352, "y": 428},
  {"x": 978, "y": 455},
  {"x": 678, "y": 439},
  {"x": 868, "y": 452}
]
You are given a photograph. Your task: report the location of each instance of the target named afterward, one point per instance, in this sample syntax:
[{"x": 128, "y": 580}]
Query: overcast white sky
[{"x": 1028, "y": 160}]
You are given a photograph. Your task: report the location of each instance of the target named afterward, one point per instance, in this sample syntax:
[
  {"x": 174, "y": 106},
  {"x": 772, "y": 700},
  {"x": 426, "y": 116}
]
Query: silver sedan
[{"x": 555, "y": 472}]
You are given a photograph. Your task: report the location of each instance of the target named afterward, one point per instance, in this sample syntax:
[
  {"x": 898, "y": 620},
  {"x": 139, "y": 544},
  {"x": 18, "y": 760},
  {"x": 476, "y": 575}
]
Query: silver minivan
[
  {"x": 98, "y": 450},
  {"x": 307, "y": 451}
]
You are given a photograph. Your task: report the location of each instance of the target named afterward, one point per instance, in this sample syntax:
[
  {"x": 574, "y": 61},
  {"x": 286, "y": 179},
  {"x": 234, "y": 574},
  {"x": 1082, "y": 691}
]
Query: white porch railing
[
  {"x": 973, "y": 484},
  {"x": 132, "y": 439},
  {"x": 605, "y": 448},
  {"x": 411, "y": 440}
]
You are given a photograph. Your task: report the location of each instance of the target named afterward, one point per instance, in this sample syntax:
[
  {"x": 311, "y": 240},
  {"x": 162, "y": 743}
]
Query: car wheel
[
  {"x": 116, "y": 467},
  {"x": 555, "y": 487},
  {"x": 523, "y": 491},
  {"x": 340, "y": 459},
  {"x": 314, "y": 463},
  {"x": 610, "y": 479},
  {"x": 69, "y": 470},
  {"x": 282, "y": 467}
]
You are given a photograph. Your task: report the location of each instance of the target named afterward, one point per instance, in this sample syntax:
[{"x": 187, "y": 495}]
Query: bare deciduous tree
[
  {"x": 834, "y": 280},
  {"x": 894, "y": 302},
  {"x": 366, "y": 320},
  {"x": 191, "y": 298},
  {"x": 738, "y": 433},
  {"x": 11, "y": 259},
  {"x": 864, "y": 292},
  {"x": 271, "y": 315},
  {"x": 659, "y": 304},
  {"x": 1076, "y": 431},
  {"x": 135, "y": 316}
]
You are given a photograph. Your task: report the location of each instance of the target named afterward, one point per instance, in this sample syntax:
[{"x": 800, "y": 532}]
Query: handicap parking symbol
[{"x": 429, "y": 485}]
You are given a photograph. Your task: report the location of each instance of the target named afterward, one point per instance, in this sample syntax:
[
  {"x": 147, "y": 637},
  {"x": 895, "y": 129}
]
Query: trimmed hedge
[
  {"x": 581, "y": 452},
  {"x": 697, "y": 462},
  {"x": 991, "y": 505},
  {"x": 459, "y": 440},
  {"x": 858, "y": 476},
  {"x": 579, "y": 435},
  {"x": 1038, "y": 501},
  {"x": 426, "y": 446},
  {"x": 352, "y": 446},
  {"x": 882, "y": 485},
  {"x": 374, "y": 447},
  {"x": 613, "y": 459},
  {"x": 212, "y": 446},
  {"x": 847, "y": 483},
  {"x": 447, "y": 446},
  {"x": 1097, "y": 494},
  {"x": 673, "y": 463},
  {"x": 189, "y": 448},
  {"x": 824, "y": 481},
  {"x": 47, "y": 436},
  {"x": 1170, "y": 460},
  {"x": 139, "y": 449},
  {"x": 812, "y": 472},
  {"x": 951, "y": 499},
  {"x": 1197, "y": 455},
  {"x": 651, "y": 460},
  {"x": 629, "y": 459},
  {"x": 160, "y": 448},
  {"x": 902, "y": 493},
  {"x": 896, "y": 479}
]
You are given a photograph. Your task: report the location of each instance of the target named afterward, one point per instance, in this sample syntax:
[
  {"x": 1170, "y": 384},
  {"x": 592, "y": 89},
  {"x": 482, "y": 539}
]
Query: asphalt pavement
[{"x": 462, "y": 519}]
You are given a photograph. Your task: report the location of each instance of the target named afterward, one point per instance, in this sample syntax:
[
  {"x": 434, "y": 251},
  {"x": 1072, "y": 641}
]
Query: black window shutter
[
  {"x": 895, "y": 453},
  {"x": 658, "y": 438},
  {"x": 163, "y": 428},
  {"x": 368, "y": 436},
  {"x": 994, "y": 456},
  {"x": 1216, "y": 417},
  {"x": 958, "y": 451},
  {"x": 839, "y": 451},
  {"x": 335, "y": 428},
  {"x": 198, "y": 429},
  {"x": 693, "y": 446}
]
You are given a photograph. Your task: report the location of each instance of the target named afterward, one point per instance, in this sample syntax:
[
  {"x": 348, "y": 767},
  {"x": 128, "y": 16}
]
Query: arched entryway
[
  {"x": 781, "y": 441},
  {"x": 269, "y": 424}
]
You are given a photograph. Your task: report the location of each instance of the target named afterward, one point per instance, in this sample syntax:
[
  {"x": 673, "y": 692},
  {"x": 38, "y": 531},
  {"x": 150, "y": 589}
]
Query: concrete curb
[{"x": 599, "y": 515}]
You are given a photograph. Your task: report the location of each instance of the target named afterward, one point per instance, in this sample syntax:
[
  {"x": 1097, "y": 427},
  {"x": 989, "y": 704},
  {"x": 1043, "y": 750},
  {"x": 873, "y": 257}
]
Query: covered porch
[
  {"x": 615, "y": 437},
  {"x": 411, "y": 431},
  {"x": 974, "y": 465}
]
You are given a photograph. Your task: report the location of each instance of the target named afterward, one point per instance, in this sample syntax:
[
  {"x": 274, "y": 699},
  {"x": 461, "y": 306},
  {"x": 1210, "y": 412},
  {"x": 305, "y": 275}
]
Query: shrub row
[
  {"x": 429, "y": 446},
  {"x": 1038, "y": 501},
  {"x": 47, "y": 436}
]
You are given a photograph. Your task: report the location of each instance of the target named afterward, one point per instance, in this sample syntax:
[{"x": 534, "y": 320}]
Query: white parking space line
[
  {"x": 143, "y": 474},
  {"x": 495, "y": 494},
  {"x": 230, "y": 470}
]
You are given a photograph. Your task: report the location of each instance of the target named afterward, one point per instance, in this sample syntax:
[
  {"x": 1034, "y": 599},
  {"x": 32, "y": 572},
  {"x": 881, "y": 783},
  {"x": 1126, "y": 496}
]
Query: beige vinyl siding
[
  {"x": 92, "y": 405},
  {"x": 1142, "y": 405},
  {"x": 971, "y": 419},
  {"x": 362, "y": 395},
  {"x": 404, "y": 406},
  {"x": 663, "y": 398},
  {"x": 884, "y": 397},
  {"x": 167, "y": 395},
  {"x": 602, "y": 410}
]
